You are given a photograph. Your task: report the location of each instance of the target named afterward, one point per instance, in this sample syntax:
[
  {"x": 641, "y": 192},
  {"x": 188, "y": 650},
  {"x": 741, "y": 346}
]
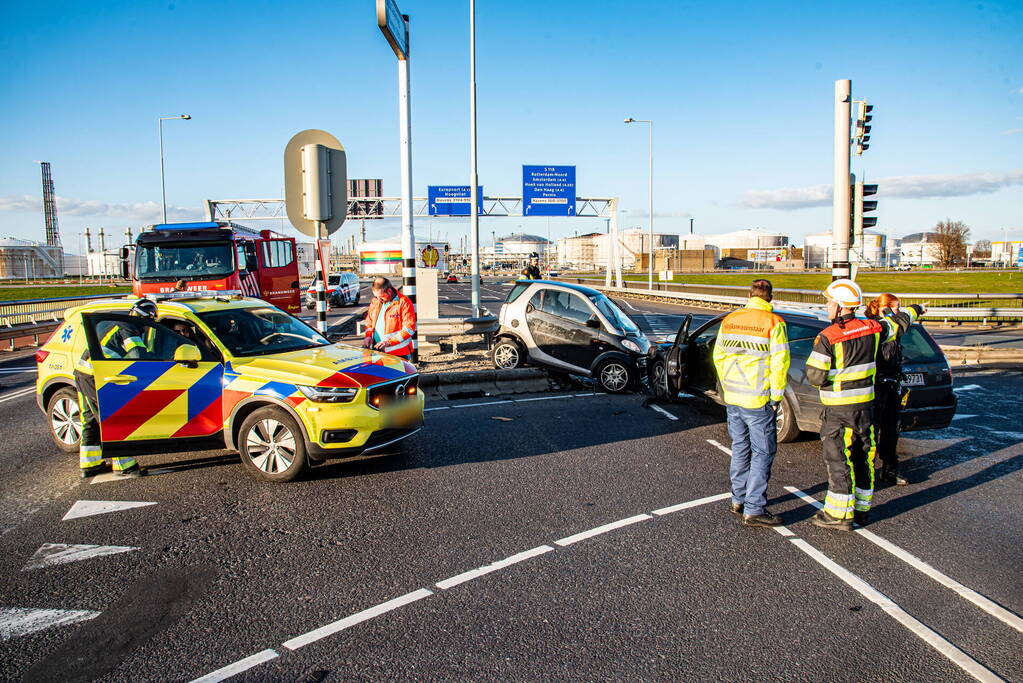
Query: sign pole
[
  {"x": 321, "y": 279},
  {"x": 474, "y": 213},
  {"x": 408, "y": 235}
]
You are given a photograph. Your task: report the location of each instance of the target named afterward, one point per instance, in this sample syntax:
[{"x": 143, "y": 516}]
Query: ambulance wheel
[
  {"x": 787, "y": 427},
  {"x": 271, "y": 445},
  {"x": 65, "y": 419}
]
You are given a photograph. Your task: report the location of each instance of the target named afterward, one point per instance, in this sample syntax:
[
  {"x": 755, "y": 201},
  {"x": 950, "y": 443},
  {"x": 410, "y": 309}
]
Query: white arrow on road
[
  {"x": 87, "y": 508},
  {"x": 20, "y": 621},
  {"x": 60, "y": 553}
]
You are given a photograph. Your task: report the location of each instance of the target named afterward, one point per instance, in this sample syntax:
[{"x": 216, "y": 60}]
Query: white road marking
[
  {"x": 238, "y": 667},
  {"x": 50, "y": 554},
  {"x": 968, "y": 387},
  {"x": 20, "y": 621},
  {"x": 462, "y": 307},
  {"x": 603, "y": 529},
  {"x": 783, "y": 530},
  {"x": 112, "y": 476},
  {"x": 664, "y": 412},
  {"x": 515, "y": 400},
  {"x": 17, "y": 394},
  {"x": 962, "y": 417},
  {"x": 723, "y": 449},
  {"x": 989, "y": 606},
  {"x": 87, "y": 508},
  {"x": 691, "y": 504},
  {"x": 357, "y": 618},
  {"x": 629, "y": 304},
  {"x": 500, "y": 564},
  {"x": 957, "y": 656}
]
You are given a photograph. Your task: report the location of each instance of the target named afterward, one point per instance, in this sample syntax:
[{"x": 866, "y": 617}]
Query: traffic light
[
  {"x": 861, "y": 132},
  {"x": 859, "y": 207}
]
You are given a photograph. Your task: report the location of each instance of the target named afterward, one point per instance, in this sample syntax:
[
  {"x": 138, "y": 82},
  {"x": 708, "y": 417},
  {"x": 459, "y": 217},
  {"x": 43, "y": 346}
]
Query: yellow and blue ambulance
[{"x": 232, "y": 368}]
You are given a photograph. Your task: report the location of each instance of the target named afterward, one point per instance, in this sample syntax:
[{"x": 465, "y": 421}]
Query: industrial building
[
  {"x": 593, "y": 250},
  {"x": 748, "y": 239},
  {"x": 920, "y": 249},
  {"x": 22, "y": 259},
  {"x": 874, "y": 252},
  {"x": 1007, "y": 253}
]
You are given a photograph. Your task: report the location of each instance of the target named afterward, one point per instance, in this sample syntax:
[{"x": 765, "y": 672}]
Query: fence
[{"x": 37, "y": 317}]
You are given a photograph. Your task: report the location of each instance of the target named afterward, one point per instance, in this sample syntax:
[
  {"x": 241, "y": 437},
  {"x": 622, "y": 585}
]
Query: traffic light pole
[
  {"x": 840, "y": 216},
  {"x": 408, "y": 235}
]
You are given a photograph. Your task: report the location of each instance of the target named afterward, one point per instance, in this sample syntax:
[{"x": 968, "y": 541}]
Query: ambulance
[{"x": 227, "y": 370}]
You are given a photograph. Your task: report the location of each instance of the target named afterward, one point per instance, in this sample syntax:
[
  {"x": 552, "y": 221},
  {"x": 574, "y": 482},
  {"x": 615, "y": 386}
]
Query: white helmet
[{"x": 845, "y": 292}]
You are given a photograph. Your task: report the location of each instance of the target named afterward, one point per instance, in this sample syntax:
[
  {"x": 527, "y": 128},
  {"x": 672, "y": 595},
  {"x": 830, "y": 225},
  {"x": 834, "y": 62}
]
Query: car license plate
[{"x": 914, "y": 379}]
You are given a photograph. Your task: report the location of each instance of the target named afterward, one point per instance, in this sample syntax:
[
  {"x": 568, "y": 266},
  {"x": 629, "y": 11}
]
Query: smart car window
[
  {"x": 515, "y": 292},
  {"x": 567, "y": 305}
]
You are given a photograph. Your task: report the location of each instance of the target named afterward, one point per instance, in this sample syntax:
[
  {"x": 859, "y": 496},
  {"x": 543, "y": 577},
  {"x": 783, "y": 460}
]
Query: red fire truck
[{"x": 215, "y": 256}]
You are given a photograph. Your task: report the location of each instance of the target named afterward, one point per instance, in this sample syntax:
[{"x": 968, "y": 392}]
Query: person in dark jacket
[
  {"x": 888, "y": 391},
  {"x": 532, "y": 271}
]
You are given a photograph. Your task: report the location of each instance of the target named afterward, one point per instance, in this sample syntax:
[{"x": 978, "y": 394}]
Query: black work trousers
[
  {"x": 848, "y": 445},
  {"x": 887, "y": 417}
]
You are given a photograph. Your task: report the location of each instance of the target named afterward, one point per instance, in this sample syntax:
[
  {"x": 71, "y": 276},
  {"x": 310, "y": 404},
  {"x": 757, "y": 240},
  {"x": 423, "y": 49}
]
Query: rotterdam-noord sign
[{"x": 548, "y": 190}]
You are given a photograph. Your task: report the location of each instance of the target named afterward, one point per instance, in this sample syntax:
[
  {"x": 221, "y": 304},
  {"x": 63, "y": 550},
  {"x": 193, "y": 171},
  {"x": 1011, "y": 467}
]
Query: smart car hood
[{"x": 337, "y": 365}]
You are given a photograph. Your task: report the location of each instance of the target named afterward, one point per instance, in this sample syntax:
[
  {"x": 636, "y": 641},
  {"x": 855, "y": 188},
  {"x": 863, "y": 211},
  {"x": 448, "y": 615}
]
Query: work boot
[
  {"x": 736, "y": 508},
  {"x": 861, "y": 517},
  {"x": 826, "y": 521},
  {"x": 892, "y": 476},
  {"x": 101, "y": 468},
  {"x": 765, "y": 518},
  {"x": 133, "y": 472}
]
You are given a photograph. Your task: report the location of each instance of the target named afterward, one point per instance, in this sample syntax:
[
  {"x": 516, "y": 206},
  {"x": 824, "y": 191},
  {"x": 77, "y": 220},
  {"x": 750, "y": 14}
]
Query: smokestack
[
  {"x": 88, "y": 241},
  {"x": 102, "y": 241},
  {"x": 127, "y": 235}
]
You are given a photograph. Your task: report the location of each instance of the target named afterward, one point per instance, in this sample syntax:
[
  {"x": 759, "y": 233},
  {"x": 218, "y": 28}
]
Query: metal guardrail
[
  {"x": 958, "y": 307},
  {"x": 986, "y": 314},
  {"x": 32, "y": 311}
]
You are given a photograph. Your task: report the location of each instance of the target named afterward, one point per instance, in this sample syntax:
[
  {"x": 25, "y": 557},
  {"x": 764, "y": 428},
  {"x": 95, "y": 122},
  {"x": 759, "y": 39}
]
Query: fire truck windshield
[{"x": 195, "y": 261}]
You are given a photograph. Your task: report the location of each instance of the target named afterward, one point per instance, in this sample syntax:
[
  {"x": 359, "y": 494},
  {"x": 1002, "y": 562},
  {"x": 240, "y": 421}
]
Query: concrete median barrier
[
  {"x": 476, "y": 383},
  {"x": 986, "y": 357}
]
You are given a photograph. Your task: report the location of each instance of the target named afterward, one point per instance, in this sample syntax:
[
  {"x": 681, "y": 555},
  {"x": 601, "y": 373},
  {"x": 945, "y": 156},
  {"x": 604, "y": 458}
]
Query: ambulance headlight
[{"x": 329, "y": 394}]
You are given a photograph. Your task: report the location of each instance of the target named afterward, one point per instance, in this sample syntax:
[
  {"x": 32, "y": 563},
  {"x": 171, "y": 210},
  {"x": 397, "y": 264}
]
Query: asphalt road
[{"x": 364, "y": 571}]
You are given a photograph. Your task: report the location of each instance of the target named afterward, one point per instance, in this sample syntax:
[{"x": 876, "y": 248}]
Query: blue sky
[{"x": 741, "y": 95}]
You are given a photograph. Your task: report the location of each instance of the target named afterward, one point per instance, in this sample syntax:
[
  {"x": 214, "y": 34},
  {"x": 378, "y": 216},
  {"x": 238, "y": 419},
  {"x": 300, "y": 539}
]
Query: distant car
[
  {"x": 452, "y": 278},
  {"x": 686, "y": 365},
  {"x": 343, "y": 289},
  {"x": 570, "y": 328},
  {"x": 262, "y": 381}
]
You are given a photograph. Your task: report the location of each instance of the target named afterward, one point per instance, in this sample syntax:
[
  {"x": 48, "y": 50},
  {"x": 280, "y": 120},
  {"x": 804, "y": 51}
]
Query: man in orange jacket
[{"x": 390, "y": 321}]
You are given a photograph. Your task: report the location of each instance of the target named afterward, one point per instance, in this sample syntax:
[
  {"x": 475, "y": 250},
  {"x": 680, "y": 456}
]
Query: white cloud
[
  {"x": 915, "y": 187},
  {"x": 1013, "y": 131},
  {"x": 140, "y": 212},
  {"x": 642, "y": 213}
]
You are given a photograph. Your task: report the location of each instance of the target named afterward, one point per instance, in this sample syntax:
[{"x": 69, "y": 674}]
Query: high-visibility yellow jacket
[{"x": 751, "y": 355}]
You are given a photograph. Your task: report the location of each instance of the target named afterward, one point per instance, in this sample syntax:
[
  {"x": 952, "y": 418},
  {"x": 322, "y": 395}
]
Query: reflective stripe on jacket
[
  {"x": 400, "y": 324},
  {"x": 843, "y": 363},
  {"x": 751, "y": 355}
]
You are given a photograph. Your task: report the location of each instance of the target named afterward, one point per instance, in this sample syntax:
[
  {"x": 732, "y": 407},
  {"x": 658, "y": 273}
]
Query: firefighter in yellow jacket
[
  {"x": 751, "y": 357},
  {"x": 843, "y": 365}
]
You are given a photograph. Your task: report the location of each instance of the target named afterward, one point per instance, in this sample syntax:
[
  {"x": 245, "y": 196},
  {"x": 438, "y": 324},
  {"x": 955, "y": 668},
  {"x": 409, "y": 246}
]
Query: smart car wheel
[
  {"x": 271, "y": 445},
  {"x": 613, "y": 376},
  {"x": 786, "y": 425},
  {"x": 508, "y": 354},
  {"x": 65, "y": 420}
]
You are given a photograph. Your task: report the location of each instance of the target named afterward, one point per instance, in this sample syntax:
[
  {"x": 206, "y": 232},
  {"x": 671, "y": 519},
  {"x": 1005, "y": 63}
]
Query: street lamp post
[
  {"x": 650, "y": 193},
  {"x": 474, "y": 216},
  {"x": 163, "y": 184}
]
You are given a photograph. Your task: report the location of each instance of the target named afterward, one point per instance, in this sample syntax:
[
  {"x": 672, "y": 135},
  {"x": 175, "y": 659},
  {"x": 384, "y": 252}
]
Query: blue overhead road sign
[
  {"x": 548, "y": 190},
  {"x": 452, "y": 200}
]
